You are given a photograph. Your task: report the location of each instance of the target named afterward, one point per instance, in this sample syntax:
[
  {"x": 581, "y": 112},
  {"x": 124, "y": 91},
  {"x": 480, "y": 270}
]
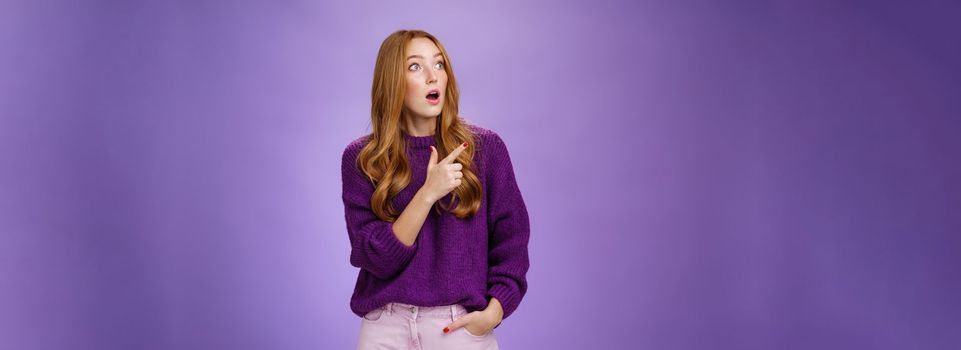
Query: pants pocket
[
  {"x": 374, "y": 316},
  {"x": 474, "y": 335}
]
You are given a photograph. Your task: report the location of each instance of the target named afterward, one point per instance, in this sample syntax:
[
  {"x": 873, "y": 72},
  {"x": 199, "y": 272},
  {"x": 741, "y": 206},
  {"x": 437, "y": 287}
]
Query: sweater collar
[{"x": 418, "y": 141}]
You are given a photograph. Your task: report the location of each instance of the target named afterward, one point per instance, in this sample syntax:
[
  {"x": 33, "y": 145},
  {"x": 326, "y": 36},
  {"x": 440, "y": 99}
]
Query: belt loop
[
  {"x": 389, "y": 307},
  {"x": 453, "y": 312}
]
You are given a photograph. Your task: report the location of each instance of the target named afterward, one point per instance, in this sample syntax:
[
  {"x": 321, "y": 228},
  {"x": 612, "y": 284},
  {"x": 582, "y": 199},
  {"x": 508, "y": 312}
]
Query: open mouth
[{"x": 433, "y": 96}]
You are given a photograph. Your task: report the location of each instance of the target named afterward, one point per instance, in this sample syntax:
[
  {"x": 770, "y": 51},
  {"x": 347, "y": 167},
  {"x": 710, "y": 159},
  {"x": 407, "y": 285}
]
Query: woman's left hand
[{"x": 479, "y": 322}]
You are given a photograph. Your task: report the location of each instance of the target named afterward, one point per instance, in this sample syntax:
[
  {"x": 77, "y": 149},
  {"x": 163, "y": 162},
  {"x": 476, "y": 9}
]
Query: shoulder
[
  {"x": 492, "y": 148},
  {"x": 352, "y": 149},
  {"x": 357, "y": 144},
  {"x": 354, "y": 146},
  {"x": 485, "y": 138}
]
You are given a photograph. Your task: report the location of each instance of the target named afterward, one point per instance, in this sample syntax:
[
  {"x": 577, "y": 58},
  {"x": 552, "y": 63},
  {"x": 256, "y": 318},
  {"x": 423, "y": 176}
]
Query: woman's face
[{"x": 425, "y": 74}]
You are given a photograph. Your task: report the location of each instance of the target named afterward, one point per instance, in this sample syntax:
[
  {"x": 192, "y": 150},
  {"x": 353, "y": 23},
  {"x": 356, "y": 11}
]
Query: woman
[{"x": 448, "y": 268}]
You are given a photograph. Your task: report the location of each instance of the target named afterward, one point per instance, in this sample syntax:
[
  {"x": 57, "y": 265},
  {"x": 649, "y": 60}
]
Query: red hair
[{"x": 383, "y": 159}]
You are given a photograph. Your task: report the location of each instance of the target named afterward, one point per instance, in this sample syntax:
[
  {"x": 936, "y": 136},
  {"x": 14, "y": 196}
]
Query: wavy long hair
[{"x": 383, "y": 159}]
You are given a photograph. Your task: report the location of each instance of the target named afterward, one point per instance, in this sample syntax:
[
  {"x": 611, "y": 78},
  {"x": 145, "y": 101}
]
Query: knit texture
[{"x": 462, "y": 261}]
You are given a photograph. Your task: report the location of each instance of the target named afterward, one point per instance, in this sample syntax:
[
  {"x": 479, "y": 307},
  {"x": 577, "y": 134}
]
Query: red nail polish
[
  {"x": 465, "y": 143},
  {"x": 446, "y": 330}
]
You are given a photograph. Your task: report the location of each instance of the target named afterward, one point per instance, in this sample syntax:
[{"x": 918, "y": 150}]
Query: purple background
[{"x": 699, "y": 174}]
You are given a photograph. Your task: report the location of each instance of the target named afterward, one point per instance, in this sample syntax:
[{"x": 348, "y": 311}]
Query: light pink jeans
[{"x": 405, "y": 326}]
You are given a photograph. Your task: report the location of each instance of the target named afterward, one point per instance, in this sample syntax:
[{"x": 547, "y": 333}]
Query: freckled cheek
[{"x": 411, "y": 91}]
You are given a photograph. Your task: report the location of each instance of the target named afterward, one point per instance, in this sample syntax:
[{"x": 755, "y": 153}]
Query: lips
[{"x": 433, "y": 96}]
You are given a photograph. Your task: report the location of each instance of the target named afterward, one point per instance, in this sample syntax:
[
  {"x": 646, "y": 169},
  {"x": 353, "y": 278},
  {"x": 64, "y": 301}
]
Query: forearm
[{"x": 410, "y": 221}]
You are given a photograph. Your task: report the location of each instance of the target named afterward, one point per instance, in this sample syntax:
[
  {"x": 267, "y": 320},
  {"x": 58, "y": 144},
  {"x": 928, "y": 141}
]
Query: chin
[{"x": 431, "y": 113}]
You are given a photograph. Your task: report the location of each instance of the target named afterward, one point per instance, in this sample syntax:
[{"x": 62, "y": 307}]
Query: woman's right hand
[{"x": 442, "y": 176}]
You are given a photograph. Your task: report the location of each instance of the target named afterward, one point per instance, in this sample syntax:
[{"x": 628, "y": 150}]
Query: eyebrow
[{"x": 419, "y": 56}]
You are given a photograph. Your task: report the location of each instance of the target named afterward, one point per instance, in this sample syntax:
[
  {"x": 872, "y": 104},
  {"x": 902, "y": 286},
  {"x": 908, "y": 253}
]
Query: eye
[
  {"x": 440, "y": 65},
  {"x": 411, "y": 67}
]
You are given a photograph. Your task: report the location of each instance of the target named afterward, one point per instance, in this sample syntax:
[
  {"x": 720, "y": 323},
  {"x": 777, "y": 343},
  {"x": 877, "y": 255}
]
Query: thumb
[
  {"x": 458, "y": 323},
  {"x": 433, "y": 156}
]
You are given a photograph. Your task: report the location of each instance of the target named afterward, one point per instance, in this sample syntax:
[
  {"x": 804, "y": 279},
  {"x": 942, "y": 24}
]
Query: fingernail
[
  {"x": 446, "y": 330},
  {"x": 465, "y": 143}
]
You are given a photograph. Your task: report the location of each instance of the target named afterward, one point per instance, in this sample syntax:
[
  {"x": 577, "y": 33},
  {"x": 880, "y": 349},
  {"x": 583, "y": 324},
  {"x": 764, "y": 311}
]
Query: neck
[{"x": 418, "y": 126}]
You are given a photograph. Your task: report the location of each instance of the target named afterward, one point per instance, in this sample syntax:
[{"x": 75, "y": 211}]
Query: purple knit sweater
[{"x": 463, "y": 261}]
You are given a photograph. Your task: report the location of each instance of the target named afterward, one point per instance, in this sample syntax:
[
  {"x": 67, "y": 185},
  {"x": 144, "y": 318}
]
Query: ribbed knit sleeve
[
  {"x": 374, "y": 246},
  {"x": 509, "y": 230}
]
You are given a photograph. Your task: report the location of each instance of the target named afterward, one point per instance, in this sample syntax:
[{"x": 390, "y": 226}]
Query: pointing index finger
[{"x": 453, "y": 155}]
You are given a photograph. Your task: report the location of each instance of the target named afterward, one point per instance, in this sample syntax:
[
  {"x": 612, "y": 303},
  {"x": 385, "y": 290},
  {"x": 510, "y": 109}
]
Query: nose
[{"x": 431, "y": 76}]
